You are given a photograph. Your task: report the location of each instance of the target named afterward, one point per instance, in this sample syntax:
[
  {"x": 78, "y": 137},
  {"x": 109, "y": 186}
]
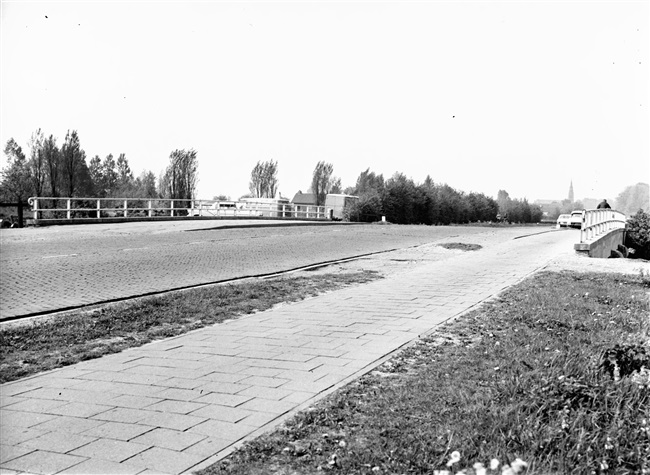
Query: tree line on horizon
[
  {"x": 53, "y": 171},
  {"x": 400, "y": 199}
]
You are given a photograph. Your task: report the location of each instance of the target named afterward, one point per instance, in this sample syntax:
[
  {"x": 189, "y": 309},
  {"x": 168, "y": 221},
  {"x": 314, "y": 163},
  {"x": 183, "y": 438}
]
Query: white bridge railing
[
  {"x": 46, "y": 209},
  {"x": 597, "y": 222}
]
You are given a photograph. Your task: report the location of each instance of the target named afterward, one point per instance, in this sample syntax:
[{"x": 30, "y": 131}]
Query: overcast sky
[{"x": 522, "y": 96}]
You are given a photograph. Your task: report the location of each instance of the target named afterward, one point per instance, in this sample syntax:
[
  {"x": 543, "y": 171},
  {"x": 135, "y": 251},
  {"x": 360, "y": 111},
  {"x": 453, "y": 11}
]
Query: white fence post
[
  {"x": 68, "y": 209},
  {"x": 150, "y": 211},
  {"x": 126, "y": 208},
  {"x": 172, "y": 208},
  {"x": 99, "y": 208}
]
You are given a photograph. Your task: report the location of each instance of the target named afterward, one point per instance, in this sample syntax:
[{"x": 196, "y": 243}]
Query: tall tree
[
  {"x": 336, "y": 187},
  {"x": 264, "y": 179},
  {"x": 15, "y": 184},
  {"x": 503, "y": 200},
  {"x": 124, "y": 173},
  {"x": 36, "y": 164},
  {"x": 95, "y": 171},
  {"x": 52, "y": 157},
  {"x": 633, "y": 198},
  {"x": 73, "y": 159},
  {"x": 109, "y": 175},
  {"x": 180, "y": 177},
  {"x": 14, "y": 178},
  {"x": 321, "y": 181},
  {"x": 147, "y": 183}
]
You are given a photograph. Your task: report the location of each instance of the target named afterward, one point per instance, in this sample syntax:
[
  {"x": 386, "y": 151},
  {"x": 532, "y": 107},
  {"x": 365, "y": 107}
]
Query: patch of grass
[
  {"x": 462, "y": 246},
  {"x": 27, "y": 349},
  {"x": 535, "y": 375}
]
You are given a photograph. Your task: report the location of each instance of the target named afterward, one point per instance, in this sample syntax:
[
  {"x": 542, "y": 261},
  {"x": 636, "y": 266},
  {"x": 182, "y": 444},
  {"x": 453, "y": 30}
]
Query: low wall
[{"x": 603, "y": 245}]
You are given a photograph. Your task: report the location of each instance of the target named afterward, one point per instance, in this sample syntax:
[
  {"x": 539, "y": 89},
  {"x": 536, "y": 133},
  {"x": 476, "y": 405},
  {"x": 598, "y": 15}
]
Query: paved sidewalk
[{"x": 180, "y": 404}]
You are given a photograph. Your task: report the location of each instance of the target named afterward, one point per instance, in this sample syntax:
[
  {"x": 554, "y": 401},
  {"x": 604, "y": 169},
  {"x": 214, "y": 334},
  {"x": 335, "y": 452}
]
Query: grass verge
[
  {"x": 27, "y": 349},
  {"x": 551, "y": 374}
]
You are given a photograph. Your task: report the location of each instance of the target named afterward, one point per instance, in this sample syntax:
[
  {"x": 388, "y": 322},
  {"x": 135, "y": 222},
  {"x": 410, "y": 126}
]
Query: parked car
[
  {"x": 576, "y": 219},
  {"x": 564, "y": 220}
]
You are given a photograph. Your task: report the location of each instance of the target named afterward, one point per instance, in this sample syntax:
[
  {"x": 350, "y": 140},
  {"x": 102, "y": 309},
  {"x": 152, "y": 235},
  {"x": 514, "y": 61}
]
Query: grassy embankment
[
  {"x": 27, "y": 349},
  {"x": 547, "y": 374}
]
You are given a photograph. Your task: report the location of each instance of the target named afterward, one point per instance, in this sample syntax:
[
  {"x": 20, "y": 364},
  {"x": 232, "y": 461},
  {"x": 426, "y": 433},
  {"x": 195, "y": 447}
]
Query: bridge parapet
[
  {"x": 601, "y": 232},
  {"x": 66, "y": 210}
]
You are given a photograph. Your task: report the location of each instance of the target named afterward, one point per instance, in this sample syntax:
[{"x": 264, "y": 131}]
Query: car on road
[
  {"x": 564, "y": 220},
  {"x": 576, "y": 219}
]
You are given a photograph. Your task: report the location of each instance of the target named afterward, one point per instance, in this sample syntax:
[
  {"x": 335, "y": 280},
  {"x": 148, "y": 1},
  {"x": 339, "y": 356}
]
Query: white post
[
  {"x": 150, "y": 208},
  {"x": 99, "y": 207},
  {"x": 35, "y": 210},
  {"x": 172, "y": 208},
  {"x": 68, "y": 210},
  {"x": 125, "y": 208}
]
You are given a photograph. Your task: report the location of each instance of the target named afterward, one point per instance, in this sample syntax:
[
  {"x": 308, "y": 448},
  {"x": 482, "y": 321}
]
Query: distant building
[
  {"x": 306, "y": 203},
  {"x": 571, "y": 200},
  {"x": 304, "y": 199},
  {"x": 339, "y": 204}
]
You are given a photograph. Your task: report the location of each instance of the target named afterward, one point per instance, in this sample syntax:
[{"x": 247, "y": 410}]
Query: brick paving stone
[
  {"x": 78, "y": 409},
  {"x": 117, "y": 430},
  {"x": 16, "y": 435},
  {"x": 169, "y": 439},
  {"x": 37, "y": 405},
  {"x": 11, "y": 418},
  {"x": 173, "y": 421},
  {"x": 267, "y": 405},
  {"x": 208, "y": 447},
  {"x": 224, "y": 377},
  {"x": 53, "y": 442},
  {"x": 122, "y": 414},
  {"x": 112, "y": 450},
  {"x": 176, "y": 407},
  {"x": 222, "y": 429},
  {"x": 264, "y": 381},
  {"x": 101, "y": 467},
  {"x": 219, "y": 387},
  {"x": 134, "y": 402},
  {"x": 165, "y": 460},
  {"x": 221, "y": 399},
  {"x": 68, "y": 425},
  {"x": 221, "y": 413},
  {"x": 180, "y": 383},
  {"x": 10, "y": 452},
  {"x": 42, "y": 462},
  {"x": 273, "y": 394}
]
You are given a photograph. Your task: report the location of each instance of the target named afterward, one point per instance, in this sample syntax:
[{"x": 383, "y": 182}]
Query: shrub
[{"x": 638, "y": 234}]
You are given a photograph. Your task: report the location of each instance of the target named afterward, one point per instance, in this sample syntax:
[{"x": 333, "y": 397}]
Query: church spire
[{"x": 571, "y": 192}]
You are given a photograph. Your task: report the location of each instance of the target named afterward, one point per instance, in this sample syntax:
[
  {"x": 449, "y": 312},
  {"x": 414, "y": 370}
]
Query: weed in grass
[
  {"x": 64, "y": 340},
  {"x": 522, "y": 380}
]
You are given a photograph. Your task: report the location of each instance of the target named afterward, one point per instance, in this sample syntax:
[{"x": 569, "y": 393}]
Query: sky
[{"x": 521, "y": 96}]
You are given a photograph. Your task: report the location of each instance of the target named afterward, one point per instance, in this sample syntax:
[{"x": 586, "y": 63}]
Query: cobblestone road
[{"x": 45, "y": 269}]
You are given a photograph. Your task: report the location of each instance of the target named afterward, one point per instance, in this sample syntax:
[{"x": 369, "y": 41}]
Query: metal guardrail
[
  {"x": 47, "y": 209},
  {"x": 597, "y": 222}
]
